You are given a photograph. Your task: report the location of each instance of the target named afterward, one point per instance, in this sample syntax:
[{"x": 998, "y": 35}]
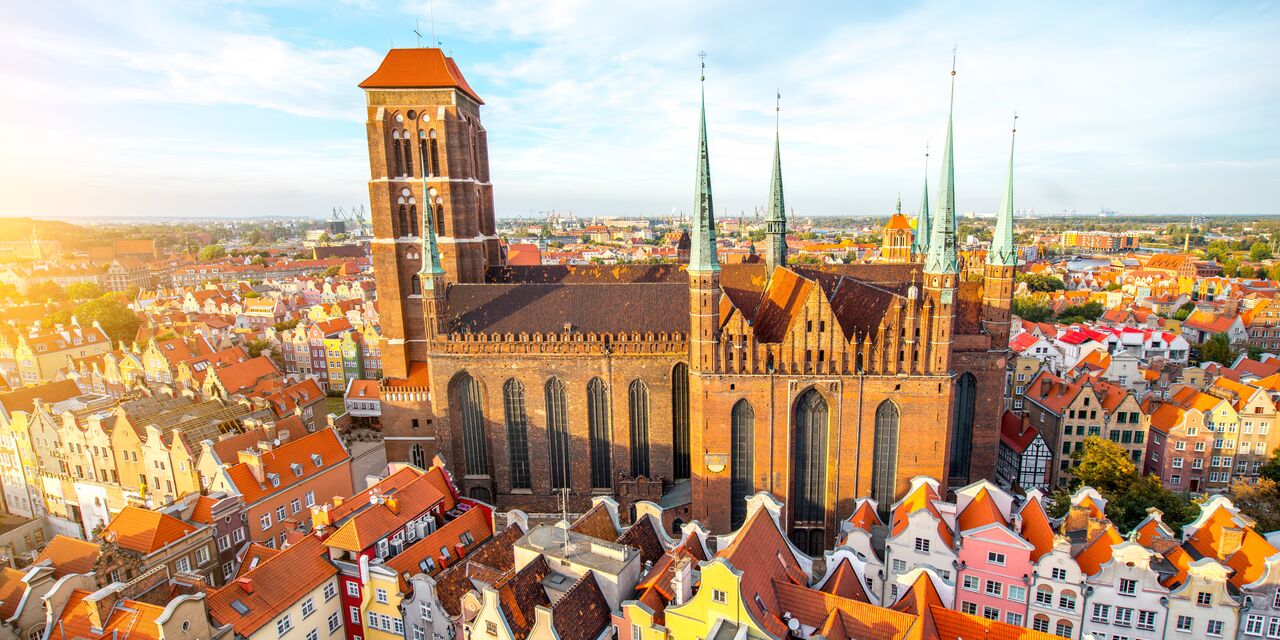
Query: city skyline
[{"x": 195, "y": 111}]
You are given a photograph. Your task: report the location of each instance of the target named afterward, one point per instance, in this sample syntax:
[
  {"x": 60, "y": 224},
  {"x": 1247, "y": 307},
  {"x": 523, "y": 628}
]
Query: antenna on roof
[
  {"x": 417, "y": 32},
  {"x": 431, "y": 12}
]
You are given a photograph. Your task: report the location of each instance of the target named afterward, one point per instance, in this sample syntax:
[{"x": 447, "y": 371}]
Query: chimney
[
  {"x": 245, "y": 584},
  {"x": 98, "y": 605},
  {"x": 1026, "y": 422},
  {"x": 253, "y": 458},
  {"x": 1232, "y": 537},
  {"x": 682, "y": 581},
  {"x": 320, "y": 516},
  {"x": 1096, "y": 527},
  {"x": 337, "y": 501},
  {"x": 393, "y": 504}
]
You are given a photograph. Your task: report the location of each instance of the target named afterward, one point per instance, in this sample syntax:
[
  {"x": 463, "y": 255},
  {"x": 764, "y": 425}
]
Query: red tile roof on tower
[
  {"x": 421, "y": 68},
  {"x": 145, "y": 531},
  {"x": 898, "y": 222},
  {"x": 273, "y": 587},
  {"x": 69, "y": 555}
]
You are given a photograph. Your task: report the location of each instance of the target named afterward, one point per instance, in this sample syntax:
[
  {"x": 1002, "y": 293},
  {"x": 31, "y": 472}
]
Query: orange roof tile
[
  {"x": 858, "y": 619},
  {"x": 145, "y": 531},
  {"x": 277, "y": 584},
  {"x": 1098, "y": 552},
  {"x": 844, "y": 582},
  {"x": 418, "y": 68},
  {"x": 128, "y": 619},
  {"x": 922, "y": 497},
  {"x": 898, "y": 222},
  {"x": 255, "y": 554},
  {"x": 69, "y": 555},
  {"x": 477, "y": 522},
  {"x": 1036, "y": 529},
  {"x": 395, "y": 508},
  {"x": 864, "y": 517},
  {"x": 760, "y": 551},
  {"x": 980, "y": 512},
  {"x": 11, "y": 589},
  {"x": 955, "y": 624},
  {"x": 279, "y": 461}
]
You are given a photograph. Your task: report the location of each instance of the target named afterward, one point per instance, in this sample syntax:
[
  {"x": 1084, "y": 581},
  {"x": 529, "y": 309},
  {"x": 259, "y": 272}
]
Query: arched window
[
  {"x": 680, "y": 419},
  {"x": 1040, "y": 622},
  {"x": 558, "y": 433},
  {"x": 884, "y": 457},
  {"x": 439, "y": 220},
  {"x": 742, "y": 425},
  {"x": 417, "y": 457},
  {"x": 413, "y": 219},
  {"x": 467, "y": 393},
  {"x": 517, "y": 433},
  {"x": 415, "y": 285},
  {"x": 962, "y": 430},
  {"x": 639, "y": 406},
  {"x": 402, "y": 220},
  {"x": 395, "y": 151},
  {"x": 422, "y": 152},
  {"x": 1063, "y": 629},
  {"x": 809, "y": 455},
  {"x": 598, "y": 432},
  {"x": 435, "y": 154}
]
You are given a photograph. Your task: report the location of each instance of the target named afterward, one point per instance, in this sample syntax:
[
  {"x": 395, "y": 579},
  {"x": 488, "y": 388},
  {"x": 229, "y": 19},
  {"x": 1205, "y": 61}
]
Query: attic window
[
  {"x": 297, "y": 469},
  {"x": 274, "y": 479},
  {"x": 427, "y": 565},
  {"x": 466, "y": 538},
  {"x": 316, "y": 459},
  {"x": 240, "y": 607}
]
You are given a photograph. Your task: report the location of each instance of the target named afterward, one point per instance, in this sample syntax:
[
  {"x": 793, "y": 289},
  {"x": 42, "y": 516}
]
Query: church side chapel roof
[{"x": 547, "y": 308}]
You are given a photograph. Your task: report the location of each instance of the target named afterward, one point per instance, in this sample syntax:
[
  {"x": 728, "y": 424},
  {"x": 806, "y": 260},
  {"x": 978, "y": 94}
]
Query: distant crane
[{"x": 352, "y": 223}]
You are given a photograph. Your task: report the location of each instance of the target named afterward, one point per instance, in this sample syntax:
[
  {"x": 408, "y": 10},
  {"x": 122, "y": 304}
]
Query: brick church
[{"x": 697, "y": 383}]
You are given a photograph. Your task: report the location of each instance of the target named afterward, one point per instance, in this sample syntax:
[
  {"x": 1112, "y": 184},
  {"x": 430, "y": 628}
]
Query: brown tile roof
[
  {"x": 279, "y": 461},
  {"x": 643, "y": 536},
  {"x": 784, "y": 299},
  {"x": 254, "y": 555},
  {"x": 581, "y": 613},
  {"x": 760, "y": 551},
  {"x": 69, "y": 555},
  {"x": 520, "y": 592},
  {"x": 145, "y": 531},
  {"x": 844, "y": 582},
  {"x": 23, "y": 400},
  {"x": 1052, "y": 392},
  {"x": 276, "y": 585},
  {"x": 421, "y": 68},
  {"x": 547, "y": 308},
  {"x": 486, "y": 563},
  {"x": 597, "y": 523}
]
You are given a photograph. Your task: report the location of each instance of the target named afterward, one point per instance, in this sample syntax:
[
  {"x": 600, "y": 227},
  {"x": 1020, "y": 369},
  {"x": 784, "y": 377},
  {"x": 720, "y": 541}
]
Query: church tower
[
  {"x": 704, "y": 265},
  {"x": 896, "y": 240},
  {"x": 775, "y": 226},
  {"x": 1002, "y": 261},
  {"x": 941, "y": 265},
  {"x": 427, "y": 151}
]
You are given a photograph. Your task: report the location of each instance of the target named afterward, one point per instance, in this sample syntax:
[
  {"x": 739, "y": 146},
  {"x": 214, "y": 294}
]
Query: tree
[
  {"x": 1103, "y": 465},
  {"x": 1246, "y": 271},
  {"x": 1087, "y": 312},
  {"x": 1128, "y": 508},
  {"x": 1274, "y": 271},
  {"x": 1114, "y": 286},
  {"x": 284, "y": 326},
  {"x": 83, "y": 290},
  {"x": 212, "y": 252},
  {"x": 330, "y": 272},
  {"x": 1259, "y": 251},
  {"x": 1183, "y": 312},
  {"x": 1031, "y": 309},
  {"x": 47, "y": 290},
  {"x": 118, "y": 321},
  {"x": 1218, "y": 349},
  {"x": 257, "y": 346},
  {"x": 1230, "y": 266},
  {"x": 1217, "y": 250},
  {"x": 1040, "y": 282},
  {"x": 1258, "y": 501},
  {"x": 1271, "y": 470}
]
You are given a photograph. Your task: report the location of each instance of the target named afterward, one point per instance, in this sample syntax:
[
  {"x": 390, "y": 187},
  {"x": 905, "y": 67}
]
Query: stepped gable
[{"x": 549, "y": 308}]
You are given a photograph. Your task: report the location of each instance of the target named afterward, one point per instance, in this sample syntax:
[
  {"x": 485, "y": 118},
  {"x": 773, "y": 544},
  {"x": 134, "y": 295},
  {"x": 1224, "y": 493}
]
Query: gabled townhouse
[
  {"x": 432, "y": 607},
  {"x": 857, "y": 536},
  {"x": 1202, "y": 325},
  {"x": 1125, "y": 596},
  {"x": 1221, "y": 418},
  {"x": 22, "y": 591},
  {"x": 1203, "y": 604},
  {"x": 19, "y": 467},
  {"x": 1065, "y": 413},
  {"x": 919, "y": 536},
  {"x": 254, "y": 374},
  {"x": 76, "y": 611},
  {"x": 1256, "y": 410},
  {"x": 1054, "y": 602},
  {"x": 160, "y": 359},
  {"x": 293, "y": 594},
  {"x": 994, "y": 561},
  {"x": 1036, "y": 346},
  {"x": 138, "y": 541},
  {"x": 278, "y": 481},
  {"x": 41, "y": 354},
  {"x": 1180, "y": 448},
  {"x": 302, "y": 399}
]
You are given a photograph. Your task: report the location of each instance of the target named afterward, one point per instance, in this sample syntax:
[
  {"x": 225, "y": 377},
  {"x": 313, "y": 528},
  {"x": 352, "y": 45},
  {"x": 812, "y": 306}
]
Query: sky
[{"x": 199, "y": 108}]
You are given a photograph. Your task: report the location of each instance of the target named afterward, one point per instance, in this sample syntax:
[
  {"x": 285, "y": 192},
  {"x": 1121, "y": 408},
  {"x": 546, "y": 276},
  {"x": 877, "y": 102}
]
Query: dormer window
[
  {"x": 274, "y": 479},
  {"x": 297, "y": 469},
  {"x": 317, "y": 460}
]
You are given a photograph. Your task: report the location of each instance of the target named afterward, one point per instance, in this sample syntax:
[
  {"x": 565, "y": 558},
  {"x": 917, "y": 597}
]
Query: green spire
[
  {"x": 702, "y": 249},
  {"x": 430, "y": 250},
  {"x": 776, "y": 223},
  {"x": 920, "y": 242},
  {"x": 942, "y": 243},
  {"x": 1003, "y": 252}
]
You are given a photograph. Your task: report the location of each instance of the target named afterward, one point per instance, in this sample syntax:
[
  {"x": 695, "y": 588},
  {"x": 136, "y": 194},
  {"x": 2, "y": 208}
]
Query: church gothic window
[
  {"x": 598, "y": 432},
  {"x": 884, "y": 456},
  {"x": 435, "y": 154},
  {"x": 439, "y": 220},
  {"x": 639, "y": 406},
  {"x": 517, "y": 433},
  {"x": 467, "y": 391},
  {"x": 808, "y": 472},
  {"x": 413, "y": 218},
  {"x": 395, "y": 152},
  {"x": 558, "y": 433},
  {"x": 415, "y": 285},
  {"x": 680, "y": 419},
  {"x": 742, "y": 424},
  {"x": 962, "y": 431},
  {"x": 417, "y": 457}
]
